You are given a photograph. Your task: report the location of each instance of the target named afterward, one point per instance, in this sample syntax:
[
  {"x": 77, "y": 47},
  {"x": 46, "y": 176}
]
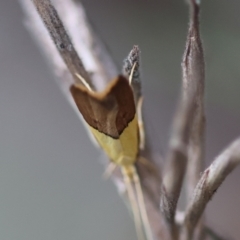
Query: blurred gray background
[{"x": 51, "y": 183}]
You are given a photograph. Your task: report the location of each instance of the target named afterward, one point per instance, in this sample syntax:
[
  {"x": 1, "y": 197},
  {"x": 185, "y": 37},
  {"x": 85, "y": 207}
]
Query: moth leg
[
  {"x": 140, "y": 123},
  {"x": 109, "y": 170},
  {"x": 142, "y": 206},
  {"x": 134, "y": 205},
  {"x": 84, "y": 82}
]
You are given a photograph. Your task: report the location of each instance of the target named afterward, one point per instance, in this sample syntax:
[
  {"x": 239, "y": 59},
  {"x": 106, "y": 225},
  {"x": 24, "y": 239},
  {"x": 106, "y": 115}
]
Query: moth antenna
[
  {"x": 142, "y": 206},
  {"x": 134, "y": 205},
  {"x": 140, "y": 123},
  {"x": 131, "y": 73},
  {"x": 84, "y": 82},
  {"x": 109, "y": 170}
]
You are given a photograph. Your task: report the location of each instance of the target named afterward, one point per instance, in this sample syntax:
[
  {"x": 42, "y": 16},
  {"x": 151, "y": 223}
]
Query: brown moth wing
[{"x": 109, "y": 111}]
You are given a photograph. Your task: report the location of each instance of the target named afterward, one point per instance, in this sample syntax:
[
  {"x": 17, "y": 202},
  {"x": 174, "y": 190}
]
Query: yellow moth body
[{"x": 123, "y": 150}]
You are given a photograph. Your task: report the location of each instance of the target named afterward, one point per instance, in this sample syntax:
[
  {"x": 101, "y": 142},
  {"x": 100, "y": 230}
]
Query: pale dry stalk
[
  {"x": 208, "y": 184},
  {"x": 186, "y": 143},
  {"x": 194, "y": 81}
]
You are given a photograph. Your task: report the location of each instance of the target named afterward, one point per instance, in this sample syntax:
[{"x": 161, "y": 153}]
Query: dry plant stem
[
  {"x": 210, "y": 181},
  {"x": 96, "y": 60},
  {"x": 193, "y": 80},
  {"x": 134, "y": 57},
  {"x": 187, "y": 124},
  {"x": 208, "y": 232},
  {"x": 61, "y": 39},
  {"x": 176, "y": 160},
  {"x": 40, "y": 34}
]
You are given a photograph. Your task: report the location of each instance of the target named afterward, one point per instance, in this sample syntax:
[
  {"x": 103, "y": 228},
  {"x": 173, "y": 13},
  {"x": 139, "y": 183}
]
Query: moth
[{"x": 111, "y": 116}]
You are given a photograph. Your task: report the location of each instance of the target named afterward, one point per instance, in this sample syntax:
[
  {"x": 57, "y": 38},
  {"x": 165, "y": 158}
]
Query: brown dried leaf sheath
[{"x": 109, "y": 111}]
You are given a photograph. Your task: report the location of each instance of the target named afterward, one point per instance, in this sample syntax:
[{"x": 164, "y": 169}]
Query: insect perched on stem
[{"x": 112, "y": 118}]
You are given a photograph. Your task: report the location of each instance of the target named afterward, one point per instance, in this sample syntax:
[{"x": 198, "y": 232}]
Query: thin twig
[
  {"x": 191, "y": 106},
  {"x": 61, "y": 39},
  {"x": 208, "y": 231},
  {"x": 176, "y": 159},
  {"x": 134, "y": 58},
  {"x": 193, "y": 80},
  {"x": 210, "y": 181},
  {"x": 95, "y": 56}
]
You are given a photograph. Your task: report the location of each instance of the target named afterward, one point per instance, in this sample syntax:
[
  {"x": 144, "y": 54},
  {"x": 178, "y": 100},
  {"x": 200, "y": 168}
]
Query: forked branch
[
  {"x": 187, "y": 139},
  {"x": 176, "y": 160},
  {"x": 210, "y": 181}
]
